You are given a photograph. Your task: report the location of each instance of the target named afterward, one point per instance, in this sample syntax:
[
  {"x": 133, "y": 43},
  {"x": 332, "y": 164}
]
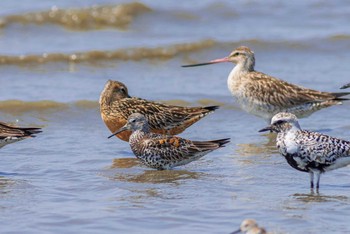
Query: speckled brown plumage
[
  {"x": 164, "y": 151},
  {"x": 10, "y": 134},
  {"x": 307, "y": 151},
  {"x": 265, "y": 96},
  {"x": 116, "y": 106}
]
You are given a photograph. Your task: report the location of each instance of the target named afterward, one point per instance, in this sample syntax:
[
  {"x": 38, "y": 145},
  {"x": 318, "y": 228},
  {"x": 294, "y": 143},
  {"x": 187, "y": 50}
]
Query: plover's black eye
[
  {"x": 123, "y": 90},
  {"x": 236, "y": 54},
  {"x": 280, "y": 122},
  {"x": 132, "y": 120}
]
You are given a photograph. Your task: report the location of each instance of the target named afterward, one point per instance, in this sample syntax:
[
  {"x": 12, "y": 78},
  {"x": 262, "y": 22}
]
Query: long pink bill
[{"x": 222, "y": 60}]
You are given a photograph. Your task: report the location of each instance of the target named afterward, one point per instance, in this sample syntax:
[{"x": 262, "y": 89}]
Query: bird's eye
[
  {"x": 236, "y": 54},
  {"x": 132, "y": 120},
  {"x": 122, "y": 89},
  {"x": 280, "y": 122}
]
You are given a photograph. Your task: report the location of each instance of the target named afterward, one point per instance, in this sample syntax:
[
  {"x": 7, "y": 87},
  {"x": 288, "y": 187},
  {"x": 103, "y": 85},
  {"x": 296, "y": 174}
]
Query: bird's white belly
[
  {"x": 9, "y": 140},
  {"x": 340, "y": 162}
]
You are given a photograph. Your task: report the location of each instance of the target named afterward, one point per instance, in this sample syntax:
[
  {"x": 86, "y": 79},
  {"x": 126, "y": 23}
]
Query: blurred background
[{"x": 56, "y": 56}]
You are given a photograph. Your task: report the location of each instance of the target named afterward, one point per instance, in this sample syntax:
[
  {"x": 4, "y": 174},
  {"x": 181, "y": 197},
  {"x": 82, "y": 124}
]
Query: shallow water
[{"x": 72, "y": 179}]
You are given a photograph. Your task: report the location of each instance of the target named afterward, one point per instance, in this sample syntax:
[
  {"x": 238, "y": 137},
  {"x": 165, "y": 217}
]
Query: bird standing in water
[
  {"x": 308, "y": 151},
  {"x": 116, "y": 106},
  {"x": 164, "y": 151},
  {"x": 264, "y": 95}
]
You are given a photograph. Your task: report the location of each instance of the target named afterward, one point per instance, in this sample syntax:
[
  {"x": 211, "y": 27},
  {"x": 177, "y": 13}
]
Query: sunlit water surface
[{"x": 72, "y": 179}]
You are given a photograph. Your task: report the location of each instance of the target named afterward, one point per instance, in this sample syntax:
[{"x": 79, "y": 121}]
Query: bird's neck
[
  {"x": 237, "y": 78},
  {"x": 136, "y": 141},
  {"x": 141, "y": 132},
  {"x": 135, "y": 137},
  {"x": 106, "y": 99},
  {"x": 241, "y": 69},
  {"x": 293, "y": 131}
]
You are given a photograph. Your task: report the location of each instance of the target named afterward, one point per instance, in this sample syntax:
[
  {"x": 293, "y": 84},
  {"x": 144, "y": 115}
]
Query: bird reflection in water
[
  {"x": 149, "y": 176},
  {"x": 5, "y": 184},
  {"x": 125, "y": 163},
  {"x": 253, "y": 149},
  {"x": 314, "y": 197}
]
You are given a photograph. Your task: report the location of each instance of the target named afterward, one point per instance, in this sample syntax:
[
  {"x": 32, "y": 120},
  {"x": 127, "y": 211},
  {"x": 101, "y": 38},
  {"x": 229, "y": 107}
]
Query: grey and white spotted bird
[
  {"x": 116, "y": 106},
  {"x": 308, "y": 151},
  {"x": 249, "y": 226},
  {"x": 164, "y": 151},
  {"x": 10, "y": 134},
  {"x": 264, "y": 95}
]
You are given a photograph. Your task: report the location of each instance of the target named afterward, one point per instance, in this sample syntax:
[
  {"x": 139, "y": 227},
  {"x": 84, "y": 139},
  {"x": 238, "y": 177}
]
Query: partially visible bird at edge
[
  {"x": 116, "y": 106},
  {"x": 345, "y": 86},
  {"x": 163, "y": 152},
  {"x": 249, "y": 226},
  {"x": 10, "y": 134}
]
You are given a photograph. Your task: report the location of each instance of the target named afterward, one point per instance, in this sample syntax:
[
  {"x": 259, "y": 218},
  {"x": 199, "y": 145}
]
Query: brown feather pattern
[
  {"x": 165, "y": 151},
  {"x": 117, "y": 106},
  {"x": 10, "y": 134}
]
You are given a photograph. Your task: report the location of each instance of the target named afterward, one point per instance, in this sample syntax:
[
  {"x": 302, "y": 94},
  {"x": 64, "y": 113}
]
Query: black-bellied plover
[
  {"x": 164, "y": 151},
  {"x": 10, "y": 134},
  {"x": 307, "y": 151},
  {"x": 264, "y": 95},
  {"x": 249, "y": 226},
  {"x": 116, "y": 106}
]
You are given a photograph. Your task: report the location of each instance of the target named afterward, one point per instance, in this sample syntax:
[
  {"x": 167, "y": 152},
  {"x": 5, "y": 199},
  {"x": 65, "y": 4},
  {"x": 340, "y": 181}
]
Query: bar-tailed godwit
[
  {"x": 307, "y": 151},
  {"x": 116, "y": 106},
  {"x": 249, "y": 226},
  {"x": 264, "y": 95},
  {"x": 164, "y": 151},
  {"x": 10, "y": 134}
]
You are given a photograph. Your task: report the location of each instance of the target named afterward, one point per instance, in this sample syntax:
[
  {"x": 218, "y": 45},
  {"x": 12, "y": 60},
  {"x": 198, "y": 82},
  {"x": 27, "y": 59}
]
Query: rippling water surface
[{"x": 56, "y": 56}]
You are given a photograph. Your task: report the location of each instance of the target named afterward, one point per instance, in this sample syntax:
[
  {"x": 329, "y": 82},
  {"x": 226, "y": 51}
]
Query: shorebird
[
  {"x": 116, "y": 106},
  {"x": 308, "y": 151},
  {"x": 249, "y": 226},
  {"x": 164, "y": 152},
  {"x": 345, "y": 86},
  {"x": 10, "y": 134},
  {"x": 264, "y": 95}
]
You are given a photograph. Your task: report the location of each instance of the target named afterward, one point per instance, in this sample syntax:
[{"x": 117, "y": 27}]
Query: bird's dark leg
[
  {"x": 318, "y": 180},
  {"x": 311, "y": 179}
]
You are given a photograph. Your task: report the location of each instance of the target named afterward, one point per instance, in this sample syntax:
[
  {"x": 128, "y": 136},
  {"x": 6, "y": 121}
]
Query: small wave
[
  {"x": 18, "y": 106},
  {"x": 134, "y": 54},
  {"x": 96, "y": 17},
  {"x": 340, "y": 37}
]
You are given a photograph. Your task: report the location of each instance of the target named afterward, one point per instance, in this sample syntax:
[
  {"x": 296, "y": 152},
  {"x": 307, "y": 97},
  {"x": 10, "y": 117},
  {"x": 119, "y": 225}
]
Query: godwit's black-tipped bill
[
  {"x": 221, "y": 60},
  {"x": 198, "y": 64}
]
